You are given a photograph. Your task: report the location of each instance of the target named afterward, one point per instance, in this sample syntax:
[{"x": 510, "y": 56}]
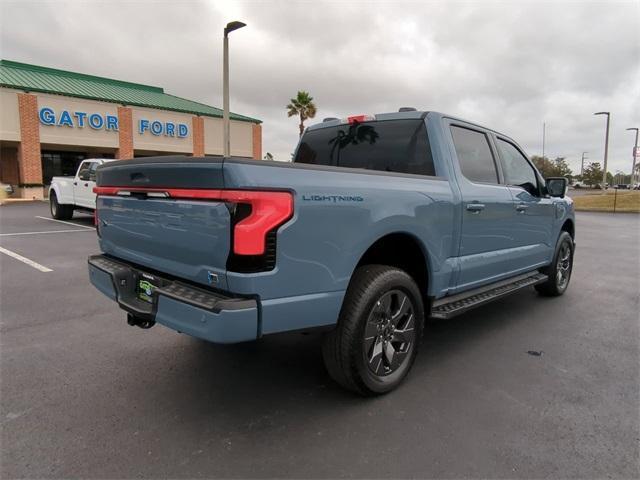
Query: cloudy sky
[{"x": 510, "y": 65}]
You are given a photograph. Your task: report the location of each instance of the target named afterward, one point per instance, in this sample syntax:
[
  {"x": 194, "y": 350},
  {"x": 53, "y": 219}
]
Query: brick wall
[
  {"x": 30, "y": 165},
  {"x": 125, "y": 133},
  {"x": 198, "y": 136},
  {"x": 257, "y": 141}
]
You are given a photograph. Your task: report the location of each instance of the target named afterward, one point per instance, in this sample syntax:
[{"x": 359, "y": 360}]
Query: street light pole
[
  {"x": 582, "y": 164},
  {"x": 633, "y": 154},
  {"x": 226, "y": 127},
  {"x": 606, "y": 148}
]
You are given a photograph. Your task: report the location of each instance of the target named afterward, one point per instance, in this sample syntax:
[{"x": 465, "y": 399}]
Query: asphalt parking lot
[{"x": 85, "y": 395}]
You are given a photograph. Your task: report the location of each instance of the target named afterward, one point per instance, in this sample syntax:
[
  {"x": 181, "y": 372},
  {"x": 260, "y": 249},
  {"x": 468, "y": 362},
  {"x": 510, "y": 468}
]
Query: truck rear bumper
[{"x": 197, "y": 312}]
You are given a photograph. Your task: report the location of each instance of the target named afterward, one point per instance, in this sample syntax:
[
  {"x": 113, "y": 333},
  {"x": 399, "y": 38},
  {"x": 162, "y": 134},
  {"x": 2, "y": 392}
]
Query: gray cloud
[{"x": 508, "y": 65}]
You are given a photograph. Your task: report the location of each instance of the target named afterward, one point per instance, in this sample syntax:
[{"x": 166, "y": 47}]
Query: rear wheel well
[{"x": 402, "y": 251}]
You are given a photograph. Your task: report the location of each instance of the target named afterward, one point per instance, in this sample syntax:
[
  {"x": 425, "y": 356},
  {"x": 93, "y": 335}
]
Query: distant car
[
  {"x": 67, "y": 194},
  {"x": 622, "y": 186},
  {"x": 579, "y": 184},
  {"x": 6, "y": 190}
]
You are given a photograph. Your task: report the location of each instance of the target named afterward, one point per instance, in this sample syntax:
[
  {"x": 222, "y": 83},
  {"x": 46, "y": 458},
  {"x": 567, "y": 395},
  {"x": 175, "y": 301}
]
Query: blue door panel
[{"x": 533, "y": 223}]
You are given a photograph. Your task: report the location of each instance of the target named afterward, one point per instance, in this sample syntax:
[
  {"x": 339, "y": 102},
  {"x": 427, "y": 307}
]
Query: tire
[
  {"x": 379, "y": 330},
  {"x": 59, "y": 211},
  {"x": 559, "y": 271}
]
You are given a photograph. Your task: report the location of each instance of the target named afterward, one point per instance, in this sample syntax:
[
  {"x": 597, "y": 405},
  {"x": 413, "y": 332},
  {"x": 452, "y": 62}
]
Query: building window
[{"x": 60, "y": 164}]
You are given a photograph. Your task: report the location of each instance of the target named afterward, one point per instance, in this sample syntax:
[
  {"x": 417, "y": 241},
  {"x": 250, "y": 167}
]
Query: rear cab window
[{"x": 400, "y": 146}]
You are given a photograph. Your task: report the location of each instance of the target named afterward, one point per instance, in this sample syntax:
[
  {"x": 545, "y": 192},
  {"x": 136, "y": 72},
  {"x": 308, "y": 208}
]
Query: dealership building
[{"x": 50, "y": 120}]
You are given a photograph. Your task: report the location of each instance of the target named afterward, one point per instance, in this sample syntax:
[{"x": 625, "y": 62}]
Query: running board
[{"x": 448, "y": 307}]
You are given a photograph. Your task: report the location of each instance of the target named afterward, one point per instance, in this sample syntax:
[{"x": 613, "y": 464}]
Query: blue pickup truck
[{"x": 379, "y": 223}]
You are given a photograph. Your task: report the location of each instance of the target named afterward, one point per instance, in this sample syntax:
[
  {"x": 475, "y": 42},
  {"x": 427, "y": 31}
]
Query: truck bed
[{"x": 171, "y": 233}]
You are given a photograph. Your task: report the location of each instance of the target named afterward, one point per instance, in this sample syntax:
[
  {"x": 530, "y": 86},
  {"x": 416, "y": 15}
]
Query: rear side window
[
  {"x": 390, "y": 146},
  {"x": 474, "y": 154}
]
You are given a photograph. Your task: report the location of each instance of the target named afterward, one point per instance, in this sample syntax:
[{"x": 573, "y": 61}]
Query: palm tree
[{"x": 302, "y": 105}]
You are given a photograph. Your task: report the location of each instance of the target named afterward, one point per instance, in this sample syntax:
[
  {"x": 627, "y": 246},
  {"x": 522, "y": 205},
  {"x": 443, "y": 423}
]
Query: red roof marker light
[{"x": 360, "y": 118}]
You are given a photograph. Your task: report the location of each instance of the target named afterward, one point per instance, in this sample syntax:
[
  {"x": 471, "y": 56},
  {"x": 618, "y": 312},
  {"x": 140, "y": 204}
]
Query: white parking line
[
  {"x": 31, "y": 263},
  {"x": 37, "y": 233},
  {"x": 62, "y": 221}
]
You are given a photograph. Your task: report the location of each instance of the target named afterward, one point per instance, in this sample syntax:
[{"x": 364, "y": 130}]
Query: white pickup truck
[{"x": 67, "y": 194}]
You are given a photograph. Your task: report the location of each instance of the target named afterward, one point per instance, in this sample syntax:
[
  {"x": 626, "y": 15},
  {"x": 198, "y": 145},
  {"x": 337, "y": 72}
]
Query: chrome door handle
[
  {"x": 521, "y": 208},
  {"x": 475, "y": 207}
]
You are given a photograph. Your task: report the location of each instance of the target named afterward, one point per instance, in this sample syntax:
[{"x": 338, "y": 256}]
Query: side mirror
[{"x": 557, "y": 186}]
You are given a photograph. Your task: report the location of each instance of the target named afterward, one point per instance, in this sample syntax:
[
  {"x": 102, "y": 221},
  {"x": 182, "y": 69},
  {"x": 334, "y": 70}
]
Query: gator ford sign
[{"x": 99, "y": 121}]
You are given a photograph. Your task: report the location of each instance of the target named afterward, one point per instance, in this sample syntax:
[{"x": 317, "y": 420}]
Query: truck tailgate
[{"x": 187, "y": 238}]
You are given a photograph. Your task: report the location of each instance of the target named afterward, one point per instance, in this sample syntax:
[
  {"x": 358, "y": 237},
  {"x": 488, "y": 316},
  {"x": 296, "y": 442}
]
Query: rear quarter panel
[{"x": 338, "y": 215}]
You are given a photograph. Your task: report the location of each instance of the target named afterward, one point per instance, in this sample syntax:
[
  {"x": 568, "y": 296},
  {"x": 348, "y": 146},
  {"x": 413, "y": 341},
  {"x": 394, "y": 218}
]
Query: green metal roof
[{"x": 34, "y": 78}]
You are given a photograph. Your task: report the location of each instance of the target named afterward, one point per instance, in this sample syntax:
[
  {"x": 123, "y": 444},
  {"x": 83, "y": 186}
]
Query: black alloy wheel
[{"x": 390, "y": 334}]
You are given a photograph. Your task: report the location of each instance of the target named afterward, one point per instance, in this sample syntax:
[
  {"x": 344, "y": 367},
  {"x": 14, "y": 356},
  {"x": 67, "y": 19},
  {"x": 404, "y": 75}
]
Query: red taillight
[
  {"x": 268, "y": 211},
  {"x": 107, "y": 190}
]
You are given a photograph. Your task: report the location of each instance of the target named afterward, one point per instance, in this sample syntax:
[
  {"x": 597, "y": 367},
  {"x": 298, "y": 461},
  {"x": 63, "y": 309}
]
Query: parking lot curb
[{"x": 9, "y": 201}]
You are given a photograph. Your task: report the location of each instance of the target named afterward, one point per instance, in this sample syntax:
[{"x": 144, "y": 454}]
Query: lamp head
[{"x": 231, "y": 26}]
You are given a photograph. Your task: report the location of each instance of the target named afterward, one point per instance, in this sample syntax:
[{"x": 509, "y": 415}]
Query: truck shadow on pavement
[
  {"x": 277, "y": 373},
  {"x": 86, "y": 220}
]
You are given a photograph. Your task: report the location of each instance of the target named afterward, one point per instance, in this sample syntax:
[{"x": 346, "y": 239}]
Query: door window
[
  {"x": 517, "y": 170},
  {"x": 474, "y": 154},
  {"x": 83, "y": 174}
]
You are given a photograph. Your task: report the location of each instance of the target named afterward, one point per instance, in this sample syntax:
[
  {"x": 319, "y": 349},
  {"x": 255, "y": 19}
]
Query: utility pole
[
  {"x": 633, "y": 154},
  {"x": 606, "y": 148},
  {"x": 582, "y": 164},
  {"x": 226, "y": 126},
  {"x": 544, "y": 131}
]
